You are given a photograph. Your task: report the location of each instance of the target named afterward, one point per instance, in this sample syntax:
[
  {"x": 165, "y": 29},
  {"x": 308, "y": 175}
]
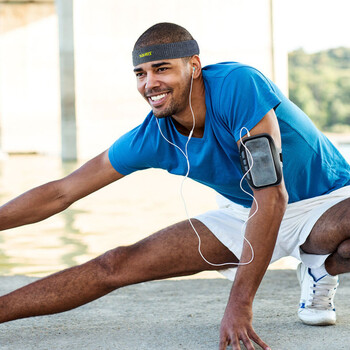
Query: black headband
[{"x": 165, "y": 51}]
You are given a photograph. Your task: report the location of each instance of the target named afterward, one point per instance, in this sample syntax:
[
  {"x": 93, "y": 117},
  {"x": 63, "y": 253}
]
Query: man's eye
[
  {"x": 139, "y": 75},
  {"x": 162, "y": 69}
]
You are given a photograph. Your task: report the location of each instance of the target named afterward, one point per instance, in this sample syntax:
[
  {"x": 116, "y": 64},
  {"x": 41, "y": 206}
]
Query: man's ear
[{"x": 196, "y": 66}]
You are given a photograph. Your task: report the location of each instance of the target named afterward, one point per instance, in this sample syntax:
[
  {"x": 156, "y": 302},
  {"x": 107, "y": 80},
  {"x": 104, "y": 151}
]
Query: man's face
[{"x": 165, "y": 85}]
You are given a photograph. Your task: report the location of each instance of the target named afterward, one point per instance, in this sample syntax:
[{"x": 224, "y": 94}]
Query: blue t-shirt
[{"x": 236, "y": 96}]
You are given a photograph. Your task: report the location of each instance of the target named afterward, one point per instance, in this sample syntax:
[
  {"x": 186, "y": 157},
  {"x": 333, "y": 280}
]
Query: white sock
[{"x": 319, "y": 272}]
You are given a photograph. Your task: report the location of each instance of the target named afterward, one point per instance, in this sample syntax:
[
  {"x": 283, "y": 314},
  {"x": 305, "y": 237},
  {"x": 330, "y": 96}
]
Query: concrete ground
[{"x": 176, "y": 314}]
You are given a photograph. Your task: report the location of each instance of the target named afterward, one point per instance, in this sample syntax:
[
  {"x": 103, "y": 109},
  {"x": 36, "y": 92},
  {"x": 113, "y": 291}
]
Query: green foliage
[{"x": 319, "y": 84}]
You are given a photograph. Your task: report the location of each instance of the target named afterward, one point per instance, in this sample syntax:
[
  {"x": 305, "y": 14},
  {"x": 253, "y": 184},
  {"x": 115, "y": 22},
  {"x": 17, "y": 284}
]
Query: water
[{"x": 120, "y": 214}]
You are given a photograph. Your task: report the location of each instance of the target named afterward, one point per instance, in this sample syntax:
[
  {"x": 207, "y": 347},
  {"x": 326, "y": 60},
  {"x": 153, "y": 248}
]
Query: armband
[{"x": 260, "y": 161}]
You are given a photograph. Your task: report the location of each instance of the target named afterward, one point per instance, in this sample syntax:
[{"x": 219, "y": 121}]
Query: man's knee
[
  {"x": 111, "y": 265},
  {"x": 344, "y": 249}
]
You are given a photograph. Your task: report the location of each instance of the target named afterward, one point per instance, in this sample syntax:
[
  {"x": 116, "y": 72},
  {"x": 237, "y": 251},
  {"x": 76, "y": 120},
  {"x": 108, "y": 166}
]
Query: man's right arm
[{"x": 46, "y": 200}]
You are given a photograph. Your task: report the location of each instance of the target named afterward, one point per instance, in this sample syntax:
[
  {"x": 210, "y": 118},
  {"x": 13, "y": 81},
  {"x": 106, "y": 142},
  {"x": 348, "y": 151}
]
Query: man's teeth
[{"x": 158, "y": 97}]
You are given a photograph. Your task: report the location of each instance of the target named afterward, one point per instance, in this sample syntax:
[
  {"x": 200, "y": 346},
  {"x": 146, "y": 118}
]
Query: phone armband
[{"x": 261, "y": 161}]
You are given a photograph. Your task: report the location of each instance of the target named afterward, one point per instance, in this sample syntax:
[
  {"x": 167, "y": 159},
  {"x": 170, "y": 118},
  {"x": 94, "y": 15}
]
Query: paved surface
[{"x": 177, "y": 314}]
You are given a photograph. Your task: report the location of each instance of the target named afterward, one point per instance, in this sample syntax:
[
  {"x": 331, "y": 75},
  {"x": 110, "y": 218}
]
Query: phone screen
[{"x": 263, "y": 171}]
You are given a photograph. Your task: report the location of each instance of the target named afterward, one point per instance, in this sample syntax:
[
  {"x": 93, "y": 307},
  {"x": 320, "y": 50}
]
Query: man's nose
[{"x": 151, "y": 81}]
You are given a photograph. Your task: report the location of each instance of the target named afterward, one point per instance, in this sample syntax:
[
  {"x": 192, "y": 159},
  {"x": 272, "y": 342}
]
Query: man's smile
[{"x": 156, "y": 100}]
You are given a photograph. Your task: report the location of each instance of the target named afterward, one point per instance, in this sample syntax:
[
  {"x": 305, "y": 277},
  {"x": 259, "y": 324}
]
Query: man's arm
[
  {"x": 261, "y": 231},
  {"x": 53, "y": 197}
]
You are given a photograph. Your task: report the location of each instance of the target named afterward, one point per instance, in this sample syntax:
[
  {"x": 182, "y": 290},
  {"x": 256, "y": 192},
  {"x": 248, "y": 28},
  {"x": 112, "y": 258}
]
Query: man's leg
[
  {"x": 330, "y": 235},
  {"x": 168, "y": 253}
]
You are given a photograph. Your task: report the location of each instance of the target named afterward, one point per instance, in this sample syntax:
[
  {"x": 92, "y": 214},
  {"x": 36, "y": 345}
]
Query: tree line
[{"x": 319, "y": 84}]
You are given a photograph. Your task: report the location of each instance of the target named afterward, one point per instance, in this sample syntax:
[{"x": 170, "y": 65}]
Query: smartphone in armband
[{"x": 261, "y": 161}]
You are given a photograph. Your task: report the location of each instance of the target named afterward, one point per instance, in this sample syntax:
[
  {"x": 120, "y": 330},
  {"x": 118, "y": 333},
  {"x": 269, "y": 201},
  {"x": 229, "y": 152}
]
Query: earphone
[{"x": 185, "y": 154}]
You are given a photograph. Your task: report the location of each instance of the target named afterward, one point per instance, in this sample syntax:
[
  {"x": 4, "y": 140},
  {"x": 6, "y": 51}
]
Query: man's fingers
[
  {"x": 227, "y": 340},
  {"x": 234, "y": 341},
  {"x": 258, "y": 340},
  {"x": 246, "y": 341},
  {"x": 223, "y": 344}
]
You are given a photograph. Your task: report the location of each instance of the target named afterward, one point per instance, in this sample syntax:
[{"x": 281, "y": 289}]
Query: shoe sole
[{"x": 325, "y": 323}]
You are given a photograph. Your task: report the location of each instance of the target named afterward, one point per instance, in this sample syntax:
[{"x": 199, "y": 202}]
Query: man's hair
[{"x": 162, "y": 33}]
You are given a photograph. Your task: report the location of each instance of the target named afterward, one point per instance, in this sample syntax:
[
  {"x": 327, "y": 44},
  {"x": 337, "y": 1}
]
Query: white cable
[{"x": 185, "y": 154}]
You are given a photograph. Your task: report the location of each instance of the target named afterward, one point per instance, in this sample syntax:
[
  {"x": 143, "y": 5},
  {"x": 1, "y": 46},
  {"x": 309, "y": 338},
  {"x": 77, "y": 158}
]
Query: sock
[{"x": 319, "y": 272}]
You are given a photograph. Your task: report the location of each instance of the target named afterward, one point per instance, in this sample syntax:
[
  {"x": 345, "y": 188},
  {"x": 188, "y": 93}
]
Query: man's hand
[{"x": 236, "y": 326}]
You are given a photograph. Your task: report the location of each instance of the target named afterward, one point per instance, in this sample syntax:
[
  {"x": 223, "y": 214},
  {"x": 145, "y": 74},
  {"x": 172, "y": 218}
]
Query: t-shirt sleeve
[
  {"x": 129, "y": 153},
  {"x": 247, "y": 96}
]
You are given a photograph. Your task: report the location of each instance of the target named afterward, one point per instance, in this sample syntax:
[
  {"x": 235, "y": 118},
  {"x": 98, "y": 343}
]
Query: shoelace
[{"x": 321, "y": 296}]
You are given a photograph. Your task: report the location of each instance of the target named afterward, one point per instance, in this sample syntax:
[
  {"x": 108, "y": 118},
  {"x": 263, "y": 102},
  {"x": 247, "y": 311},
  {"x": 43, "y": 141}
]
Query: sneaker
[{"x": 316, "y": 302}]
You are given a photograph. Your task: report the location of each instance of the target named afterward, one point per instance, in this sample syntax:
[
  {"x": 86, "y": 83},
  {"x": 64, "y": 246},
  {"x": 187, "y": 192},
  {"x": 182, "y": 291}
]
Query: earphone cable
[{"x": 185, "y": 154}]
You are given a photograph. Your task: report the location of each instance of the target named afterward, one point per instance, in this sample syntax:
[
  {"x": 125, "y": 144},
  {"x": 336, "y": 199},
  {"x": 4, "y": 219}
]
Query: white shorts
[{"x": 300, "y": 217}]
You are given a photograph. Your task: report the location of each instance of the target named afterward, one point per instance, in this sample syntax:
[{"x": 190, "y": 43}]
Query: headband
[{"x": 165, "y": 51}]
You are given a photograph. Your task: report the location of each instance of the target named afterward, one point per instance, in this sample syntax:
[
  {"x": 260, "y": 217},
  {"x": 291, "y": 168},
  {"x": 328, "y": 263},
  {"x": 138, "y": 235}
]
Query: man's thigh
[
  {"x": 173, "y": 252},
  {"x": 332, "y": 228}
]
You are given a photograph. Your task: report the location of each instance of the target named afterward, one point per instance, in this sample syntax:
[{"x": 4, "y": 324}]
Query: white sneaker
[{"x": 316, "y": 301}]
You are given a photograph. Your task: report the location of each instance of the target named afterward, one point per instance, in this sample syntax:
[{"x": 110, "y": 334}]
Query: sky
[{"x": 313, "y": 24}]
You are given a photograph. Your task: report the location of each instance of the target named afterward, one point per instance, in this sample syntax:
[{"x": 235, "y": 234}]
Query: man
[{"x": 304, "y": 214}]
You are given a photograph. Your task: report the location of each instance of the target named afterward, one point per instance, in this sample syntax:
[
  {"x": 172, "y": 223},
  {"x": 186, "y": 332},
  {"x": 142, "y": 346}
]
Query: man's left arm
[{"x": 261, "y": 231}]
